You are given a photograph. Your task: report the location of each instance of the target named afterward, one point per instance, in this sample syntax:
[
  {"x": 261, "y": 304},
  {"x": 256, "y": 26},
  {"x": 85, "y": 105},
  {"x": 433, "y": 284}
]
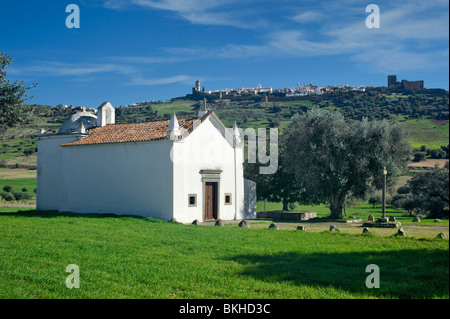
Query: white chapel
[{"x": 183, "y": 169}]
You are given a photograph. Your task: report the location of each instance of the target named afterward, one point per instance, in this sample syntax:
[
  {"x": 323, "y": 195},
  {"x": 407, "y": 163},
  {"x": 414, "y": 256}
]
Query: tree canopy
[
  {"x": 332, "y": 157},
  {"x": 12, "y": 96}
]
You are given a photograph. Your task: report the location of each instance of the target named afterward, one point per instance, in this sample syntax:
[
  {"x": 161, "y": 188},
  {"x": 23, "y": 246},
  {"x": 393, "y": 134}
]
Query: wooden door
[{"x": 210, "y": 200}]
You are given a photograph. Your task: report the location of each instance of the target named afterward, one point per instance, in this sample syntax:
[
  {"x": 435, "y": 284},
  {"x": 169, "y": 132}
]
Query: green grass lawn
[
  {"x": 19, "y": 183},
  {"x": 126, "y": 257}
]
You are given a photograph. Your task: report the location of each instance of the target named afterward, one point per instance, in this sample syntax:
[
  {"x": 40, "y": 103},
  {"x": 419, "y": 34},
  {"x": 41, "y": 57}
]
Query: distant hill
[{"x": 425, "y": 117}]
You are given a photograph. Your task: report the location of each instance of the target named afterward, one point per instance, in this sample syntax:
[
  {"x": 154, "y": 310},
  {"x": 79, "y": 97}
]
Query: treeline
[
  {"x": 436, "y": 153},
  {"x": 374, "y": 105}
]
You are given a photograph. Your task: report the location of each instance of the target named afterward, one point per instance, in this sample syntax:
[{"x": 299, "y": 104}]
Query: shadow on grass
[
  {"x": 54, "y": 214},
  {"x": 404, "y": 274}
]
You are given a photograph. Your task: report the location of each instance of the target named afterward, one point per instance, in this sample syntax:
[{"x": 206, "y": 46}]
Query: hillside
[{"x": 425, "y": 117}]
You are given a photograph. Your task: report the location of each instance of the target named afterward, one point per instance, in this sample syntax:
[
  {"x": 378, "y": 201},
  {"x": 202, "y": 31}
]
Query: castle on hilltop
[{"x": 404, "y": 84}]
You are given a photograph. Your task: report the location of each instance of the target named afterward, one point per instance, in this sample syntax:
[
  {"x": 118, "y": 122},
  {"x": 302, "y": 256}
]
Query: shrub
[
  {"x": 24, "y": 189},
  {"x": 438, "y": 153},
  {"x": 8, "y": 188},
  {"x": 28, "y": 151},
  {"x": 419, "y": 156},
  {"x": 26, "y": 196},
  {"x": 402, "y": 190},
  {"x": 17, "y": 196},
  {"x": 7, "y": 197},
  {"x": 374, "y": 200}
]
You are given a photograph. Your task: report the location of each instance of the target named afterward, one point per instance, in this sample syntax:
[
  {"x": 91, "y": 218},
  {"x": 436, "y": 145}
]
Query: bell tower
[{"x": 106, "y": 114}]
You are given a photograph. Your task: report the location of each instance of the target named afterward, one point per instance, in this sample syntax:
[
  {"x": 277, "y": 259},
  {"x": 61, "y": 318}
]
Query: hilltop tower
[
  {"x": 392, "y": 80},
  {"x": 197, "y": 86}
]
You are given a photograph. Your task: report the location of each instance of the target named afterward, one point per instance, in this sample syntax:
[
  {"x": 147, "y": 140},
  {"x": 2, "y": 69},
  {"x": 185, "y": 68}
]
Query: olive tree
[
  {"x": 332, "y": 157},
  {"x": 12, "y": 96}
]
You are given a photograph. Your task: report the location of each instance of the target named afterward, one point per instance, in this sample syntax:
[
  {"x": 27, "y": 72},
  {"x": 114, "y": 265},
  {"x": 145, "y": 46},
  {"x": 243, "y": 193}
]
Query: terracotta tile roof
[{"x": 135, "y": 132}]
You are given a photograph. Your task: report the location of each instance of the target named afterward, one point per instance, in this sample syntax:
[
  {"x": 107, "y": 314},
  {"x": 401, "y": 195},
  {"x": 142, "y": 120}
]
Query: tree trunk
[
  {"x": 336, "y": 207},
  {"x": 285, "y": 205}
]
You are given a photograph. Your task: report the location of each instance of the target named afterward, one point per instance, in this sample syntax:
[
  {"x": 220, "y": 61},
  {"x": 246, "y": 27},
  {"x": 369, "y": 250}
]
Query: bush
[
  {"x": 419, "y": 156},
  {"x": 375, "y": 200},
  {"x": 402, "y": 190},
  {"x": 438, "y": 153},
  {"x": 17, "y": 196},
  {"x": 28, "y": 151},
  {"x": 8, "y": 189},
  {"x": 22, "y": 196},
  {"x": 24, "y": 189},
  {"x": 26, "y": 196},
  {"x": 7, "y": 197},
  {"x": 292, "y": 206}
]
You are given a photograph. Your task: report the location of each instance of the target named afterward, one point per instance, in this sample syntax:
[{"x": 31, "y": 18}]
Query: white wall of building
[
  {"x": 121, "y": 178},
  {"x": 207, "y": 149},
  {"x": 49, "y": 170},
  {"x": 250, "y": 199},
  {"x": 141, "y": 178}
]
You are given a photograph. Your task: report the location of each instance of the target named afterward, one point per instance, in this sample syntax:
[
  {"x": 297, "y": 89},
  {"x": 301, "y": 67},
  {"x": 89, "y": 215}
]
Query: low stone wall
[
  {"x": 287, "y": 215},
  {"x": 382, "y": 225}
]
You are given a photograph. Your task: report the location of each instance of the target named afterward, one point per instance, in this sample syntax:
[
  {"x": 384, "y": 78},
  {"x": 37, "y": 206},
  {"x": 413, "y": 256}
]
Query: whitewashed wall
[
  {"x": 140, "y": 178},
  {"x": 49, "y": 170},
  {"x": 122, "y": 178},
  {"x": 206, "y": 149},
  {"x": 250, "y": 199}
]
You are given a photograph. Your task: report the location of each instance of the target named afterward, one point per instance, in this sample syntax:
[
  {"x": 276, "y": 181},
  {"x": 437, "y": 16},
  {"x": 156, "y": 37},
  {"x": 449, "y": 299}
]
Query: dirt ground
[
  {"x": 429, "y": 163},
  {"x": 8, "y": 173}
]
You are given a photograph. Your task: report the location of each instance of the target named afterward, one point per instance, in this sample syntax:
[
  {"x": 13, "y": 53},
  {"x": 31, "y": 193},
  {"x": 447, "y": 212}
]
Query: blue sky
[{"x": 141, "y": 50}]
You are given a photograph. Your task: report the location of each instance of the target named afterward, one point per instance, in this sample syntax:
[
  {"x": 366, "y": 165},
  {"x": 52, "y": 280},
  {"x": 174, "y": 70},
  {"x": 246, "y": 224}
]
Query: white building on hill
[{"x": 186, "y": 169}]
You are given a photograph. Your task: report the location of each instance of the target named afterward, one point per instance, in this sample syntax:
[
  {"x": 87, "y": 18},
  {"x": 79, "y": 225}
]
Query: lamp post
[{"x": 384, "y": 194}]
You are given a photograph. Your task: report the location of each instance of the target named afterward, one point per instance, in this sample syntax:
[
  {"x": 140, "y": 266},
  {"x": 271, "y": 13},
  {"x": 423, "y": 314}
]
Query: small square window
[
  {"x": 227, "y": 199},
  {"x": 192, "y": 201}
]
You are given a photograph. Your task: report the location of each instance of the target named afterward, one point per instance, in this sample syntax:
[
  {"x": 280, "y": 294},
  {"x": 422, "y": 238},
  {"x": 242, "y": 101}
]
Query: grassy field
[
  {"x": 126, "y": 257},
  {"x": 427, "y": 132},
  {"x": 19, "y": 183}
]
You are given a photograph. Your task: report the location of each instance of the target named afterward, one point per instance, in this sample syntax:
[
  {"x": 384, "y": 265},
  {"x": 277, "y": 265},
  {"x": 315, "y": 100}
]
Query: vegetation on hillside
[{"x": 423, "y": 116}]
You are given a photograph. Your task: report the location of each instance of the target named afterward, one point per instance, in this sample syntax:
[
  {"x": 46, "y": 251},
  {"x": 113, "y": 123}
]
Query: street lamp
[{"x": 384, "y": 194}]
